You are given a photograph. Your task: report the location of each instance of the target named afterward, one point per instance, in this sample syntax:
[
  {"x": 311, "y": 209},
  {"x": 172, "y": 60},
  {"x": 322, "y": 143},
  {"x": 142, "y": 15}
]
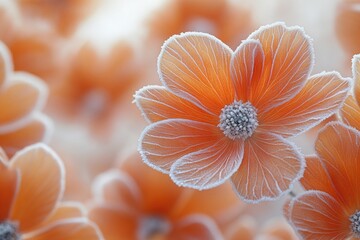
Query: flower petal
[
  {"x": 76, "y": 228},
  {"x": 247, "y": 66},
  {"x": 288, "y": 62},
  {"x": 40, "y": 192},
  {"x": 164, "y": 142},
  {"x": 195, "y": 226},
  {"x": 37, "y": 130},
  {"x": 23, "y": 95},
  {"x": 338, "y": 147},
  {"x": 322, "y": 95},
  {"x": 317, "y": 215},
  {"x": 9, "y": 181},
  {"x": 63, "y": 211},
  {"x": 322, "y": 182},
  {"x": 356, "y": 74},
  {"x": 114, "y": 223},
  {"x": 209, "y": 167},
  {"x": 6, "y": 65},
  {"x": 157, "y": 103},
  {"x": 118, "y": 188},
  {"x": 270, "y": 166},
  {"x": 196, "y": 66},
  {"x": 350, "y": 112}
]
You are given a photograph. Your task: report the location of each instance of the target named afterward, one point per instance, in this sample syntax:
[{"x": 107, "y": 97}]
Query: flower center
[
  {"x": 355, "y": 223},
  {"x": 153, "y": 228},
  {"x": 8, "y": 231},
  {"x": 238, "y": 120}
]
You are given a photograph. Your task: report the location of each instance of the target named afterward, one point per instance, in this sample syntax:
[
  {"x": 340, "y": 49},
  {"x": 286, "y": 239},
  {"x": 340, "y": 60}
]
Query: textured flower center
[
  {"x": 238, "y": 120},
  {"x": 153, "y": 228},
  {"x": 8, "y": 231},
  {"x": 355, "y": 223}
]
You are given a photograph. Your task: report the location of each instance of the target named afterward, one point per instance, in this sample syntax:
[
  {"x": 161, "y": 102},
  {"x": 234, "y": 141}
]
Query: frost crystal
[
  {"x": 238, "y": 120},
  {"x": 355, "y": 223},
  {"x": 8, "y": 231}
]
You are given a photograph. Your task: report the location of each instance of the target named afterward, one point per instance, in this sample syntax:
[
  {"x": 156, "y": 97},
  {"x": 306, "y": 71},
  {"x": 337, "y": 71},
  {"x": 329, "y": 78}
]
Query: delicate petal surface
[
  {"x": 196, "y": 66},
  {"x": 24, "y": 94},
  {"x": 356, "y": 74},
  {"x": 322, "y": 181},
  {"x": 207, "y": 168},
  {"x": 338, "y": 146},
  {"x": 38, "y": 193},
  {"x": 9, "y": 179},
  {"x": 195, "y": 227},
  {"x": 37, "y": 130},
  {"x": 287, "y": 64},
  {"x": 114, "y": 223},
  {"x": 322, "y": 95},
  {"x": 270, "y": 166},
  {"x": 247, "y": 66},
  {"x": 72, "y": 229},
  {"x": 157, "y": 103},
  {"x": 317, "y": 215},
  {"x": 350, "y": 112},
  {"x": 63, "y": 211},
  {"x": 164, "y": 142}
]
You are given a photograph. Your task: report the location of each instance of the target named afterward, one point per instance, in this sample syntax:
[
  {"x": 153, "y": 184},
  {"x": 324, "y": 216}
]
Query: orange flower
[
  {"x": 135, "y": 202},
  {"x": 21, "y": 98},
  {"x": 30, "y": 207},
  {"x": 225, "y": 115},
  {"x": 330, "y": 207},
  {"x": 350, "y": 112}
]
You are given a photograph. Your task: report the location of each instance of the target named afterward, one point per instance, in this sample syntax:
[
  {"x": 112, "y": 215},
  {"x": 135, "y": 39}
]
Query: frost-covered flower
[
  {"x": 330, "y": 208},
  {"x": 225, "y": 115},
  {"x": 31, "y": 186}
]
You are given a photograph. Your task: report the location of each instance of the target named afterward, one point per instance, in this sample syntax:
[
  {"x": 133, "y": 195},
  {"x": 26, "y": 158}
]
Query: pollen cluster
[
  {"x": 238, "y": 120},
  {"x": 8, "y": 231},
  {"x": 355, "y": 223}
]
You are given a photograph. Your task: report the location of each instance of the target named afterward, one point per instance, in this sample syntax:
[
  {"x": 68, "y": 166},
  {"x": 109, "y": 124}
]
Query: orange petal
[
  {"x": 350, "y": 112},
  {"x": 338, "y": 147},
  {"x": 157, "y": 103},
  {"x": 65, "y": 210},
  {"x": 247, "y": 65},
  {"x": 77, "y": 228},
  {"x": 322, "y": 95},
  {"x": 9, "y": 180},
  {"x": 114, "y": 223},
  {"x": 277, "y": 229},
  {"x": 164, "y": 142},
  {"x": 23, "y": 95},
  {"x": 356, "y": 74},
  {"x": 6, "y": 65},
  {"x": 118, "y": 188},
  {"x": 195, "y": 226},
  {"x": 317, "y": 215},
  {"x": 244, "y": 228},
  {"x": 270, "y": 166},
  {"x": 37, "y": 130},
  {"x": 40, "y": 192},
  {"x": 288, "y": 62},
  {"x": 322, "y": 182},
  {"x": 209, "y": 167},
  {"x": 196, "y": 66}
]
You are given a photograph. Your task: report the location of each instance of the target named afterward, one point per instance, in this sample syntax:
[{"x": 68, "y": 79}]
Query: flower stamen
[
  {"x": 355, "y": 223},
  {"x": 8, "y": 231},
  {"x": 238, "y": 120}
]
